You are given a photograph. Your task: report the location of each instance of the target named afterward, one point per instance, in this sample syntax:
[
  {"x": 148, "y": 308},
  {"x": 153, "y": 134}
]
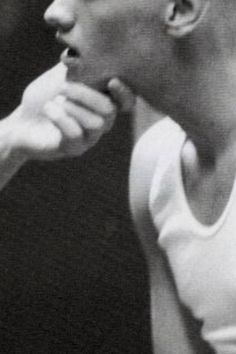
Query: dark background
[{"x": 72, "y": 276}]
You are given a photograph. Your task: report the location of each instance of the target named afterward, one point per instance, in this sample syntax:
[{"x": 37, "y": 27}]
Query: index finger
[{"x": 89, "y": 98}]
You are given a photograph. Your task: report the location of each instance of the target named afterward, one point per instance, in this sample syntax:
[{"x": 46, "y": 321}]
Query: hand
[
  {"x": 58, "y": 119},
  {"x": 83, "y": 114}
]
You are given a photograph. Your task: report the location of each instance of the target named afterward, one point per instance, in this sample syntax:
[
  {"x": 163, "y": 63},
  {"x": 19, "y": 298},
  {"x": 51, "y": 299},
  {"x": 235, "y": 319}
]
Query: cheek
[
  {"x": 124, "y": 45},
  {"x": 108, "y": 36},
  {"x": 131, "y": 35}
]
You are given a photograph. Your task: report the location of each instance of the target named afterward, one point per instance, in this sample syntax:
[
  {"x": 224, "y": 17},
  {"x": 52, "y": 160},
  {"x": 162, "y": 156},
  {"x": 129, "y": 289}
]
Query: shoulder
[
  {"x": 152, "y": 144},
  {"x": 150, "y": 147},
  {"x": 155, "y": 139}
]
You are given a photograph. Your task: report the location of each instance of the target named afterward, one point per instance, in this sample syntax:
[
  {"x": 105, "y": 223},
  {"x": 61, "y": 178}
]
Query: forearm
[{"x": 11, "y": 158}]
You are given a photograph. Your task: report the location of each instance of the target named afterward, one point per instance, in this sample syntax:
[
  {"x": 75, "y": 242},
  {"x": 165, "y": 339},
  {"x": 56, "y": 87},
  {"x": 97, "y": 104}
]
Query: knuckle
[
  {"x": 51, "y": 143},
  {"x": 77, "y": 134},
  {"x": 111, "y": 111},
  {"x": 97, "y": 125},
  {"x": 53, "y": 111},
  {"x": 94, "y": 124},
  {"x": 55, "y": 140}
]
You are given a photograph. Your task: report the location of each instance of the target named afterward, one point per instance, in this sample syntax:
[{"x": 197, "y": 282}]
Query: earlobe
[{"x": 183, "y": 16}]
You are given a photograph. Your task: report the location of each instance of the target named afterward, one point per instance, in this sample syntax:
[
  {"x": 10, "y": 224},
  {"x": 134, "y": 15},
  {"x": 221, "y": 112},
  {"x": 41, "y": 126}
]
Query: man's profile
[{"x": 180, "y": 56}]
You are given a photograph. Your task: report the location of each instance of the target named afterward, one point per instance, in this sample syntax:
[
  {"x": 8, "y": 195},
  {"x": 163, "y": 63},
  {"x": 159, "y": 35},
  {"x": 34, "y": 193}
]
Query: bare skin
[
  {"x": 180, "y": 55},
  {"x": 57, "y": 119}
]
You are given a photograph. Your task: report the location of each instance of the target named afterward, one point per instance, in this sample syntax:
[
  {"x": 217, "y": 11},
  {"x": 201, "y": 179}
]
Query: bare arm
[
  {"x": 168, "y": 326},
  {"x": 58, "y": 119},
  {"x": 11, "y": 159}
]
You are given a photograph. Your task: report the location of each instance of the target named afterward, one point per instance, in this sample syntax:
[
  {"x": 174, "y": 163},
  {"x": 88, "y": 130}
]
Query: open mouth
[
  {"x": 72, "y": 53},
  {"x": 70, "y": 56}
]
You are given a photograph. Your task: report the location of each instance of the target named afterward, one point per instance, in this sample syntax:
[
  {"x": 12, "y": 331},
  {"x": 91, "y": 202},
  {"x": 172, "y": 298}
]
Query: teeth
[{"x": 72, "y": 53}]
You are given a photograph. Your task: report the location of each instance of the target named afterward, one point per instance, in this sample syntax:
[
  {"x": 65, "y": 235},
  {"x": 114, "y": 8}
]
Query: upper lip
[{"x": 66, "y": 43}]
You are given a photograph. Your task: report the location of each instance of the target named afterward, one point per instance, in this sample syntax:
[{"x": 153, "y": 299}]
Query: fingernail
[{"x": 114, "y": 83}]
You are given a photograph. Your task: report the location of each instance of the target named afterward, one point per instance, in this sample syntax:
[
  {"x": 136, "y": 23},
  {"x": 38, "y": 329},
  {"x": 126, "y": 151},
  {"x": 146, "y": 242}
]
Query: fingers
[
  {"x": 79, "y": 114},
  {"x": 69, "y": 127},
  {"x": 80, "y": 128},
  {"x": 100, "y": 103},
  {"x": 122, "y": 95},
  {"x": 87, "y": 119},
  {"x": 44, "y": 88},
  {"x": 74, "y": 120},
  {"x": 89, "y": 98}
]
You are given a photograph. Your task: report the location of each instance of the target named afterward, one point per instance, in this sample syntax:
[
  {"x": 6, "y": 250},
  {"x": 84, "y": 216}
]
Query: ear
[{"x": 183, "y": 16}]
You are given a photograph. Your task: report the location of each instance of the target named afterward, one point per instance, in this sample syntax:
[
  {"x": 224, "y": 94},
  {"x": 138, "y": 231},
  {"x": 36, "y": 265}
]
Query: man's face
[{"x": 110, "y": 38}]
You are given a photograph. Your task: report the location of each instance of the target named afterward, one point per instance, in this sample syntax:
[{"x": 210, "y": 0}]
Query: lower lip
[{"x": 69, "y": 60}]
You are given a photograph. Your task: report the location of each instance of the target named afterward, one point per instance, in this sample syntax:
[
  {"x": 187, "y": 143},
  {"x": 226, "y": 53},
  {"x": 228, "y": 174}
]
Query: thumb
[
  {"x": 122, "y": 95},
  {"x": 44, "y": 88}
]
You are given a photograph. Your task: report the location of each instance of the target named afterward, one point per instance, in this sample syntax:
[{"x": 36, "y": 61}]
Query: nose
[{"x": 59, "y": 15}]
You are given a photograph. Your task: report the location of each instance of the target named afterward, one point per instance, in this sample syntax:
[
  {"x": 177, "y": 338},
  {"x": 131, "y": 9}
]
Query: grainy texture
[{"x": 72, "y": 276}]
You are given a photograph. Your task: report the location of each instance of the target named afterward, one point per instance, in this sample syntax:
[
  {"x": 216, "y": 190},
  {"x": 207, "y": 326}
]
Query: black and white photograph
[{"x": 117, "y": 177}]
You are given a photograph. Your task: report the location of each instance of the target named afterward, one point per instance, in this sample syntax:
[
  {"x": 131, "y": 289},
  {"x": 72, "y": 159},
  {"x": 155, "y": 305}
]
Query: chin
[{"x": 89, "y": 78}]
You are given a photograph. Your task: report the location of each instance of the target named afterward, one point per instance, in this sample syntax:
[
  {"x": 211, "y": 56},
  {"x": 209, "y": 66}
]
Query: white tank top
[{"x": 202, "y": 258}]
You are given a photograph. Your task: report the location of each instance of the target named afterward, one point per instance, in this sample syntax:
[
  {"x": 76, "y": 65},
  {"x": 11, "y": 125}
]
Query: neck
[{"x": 206, "y": 110}]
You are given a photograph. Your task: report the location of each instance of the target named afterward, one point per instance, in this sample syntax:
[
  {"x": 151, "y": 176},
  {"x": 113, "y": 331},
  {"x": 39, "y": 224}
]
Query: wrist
[{"x": 9, "y": 149}]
